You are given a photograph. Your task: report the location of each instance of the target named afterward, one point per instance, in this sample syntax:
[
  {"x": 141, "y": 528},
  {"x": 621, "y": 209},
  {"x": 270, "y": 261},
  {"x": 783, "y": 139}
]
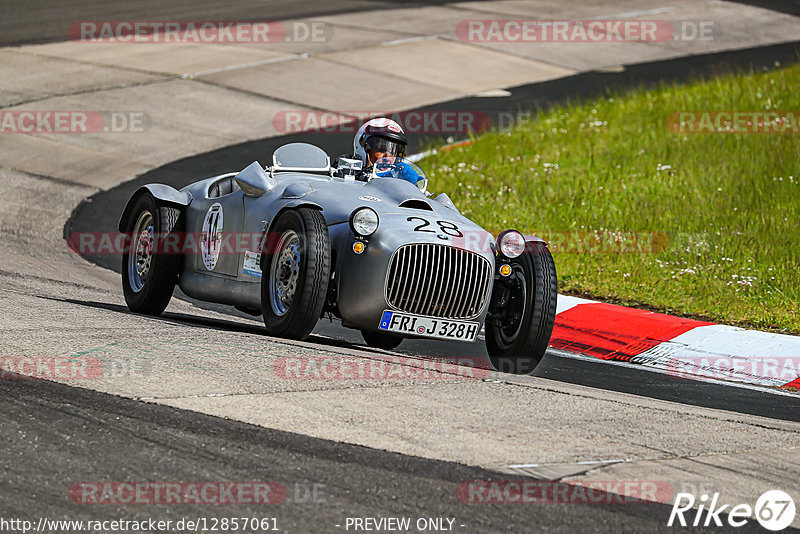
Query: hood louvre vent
[{"x": 416, "y": 204}]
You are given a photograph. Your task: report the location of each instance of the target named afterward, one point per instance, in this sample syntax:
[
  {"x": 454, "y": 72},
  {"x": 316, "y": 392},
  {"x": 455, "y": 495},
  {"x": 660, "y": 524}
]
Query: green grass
[{"x": 727, "y": 204}]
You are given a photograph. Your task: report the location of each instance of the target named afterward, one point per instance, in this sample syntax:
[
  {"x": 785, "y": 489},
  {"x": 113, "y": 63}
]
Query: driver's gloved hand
[{"x": 408, "y": 174}]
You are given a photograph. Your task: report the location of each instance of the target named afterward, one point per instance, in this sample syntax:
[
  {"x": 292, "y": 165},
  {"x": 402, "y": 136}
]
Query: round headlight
[
  {"x": 364, "y": 221},
  {"x": 511, "y": 243}
]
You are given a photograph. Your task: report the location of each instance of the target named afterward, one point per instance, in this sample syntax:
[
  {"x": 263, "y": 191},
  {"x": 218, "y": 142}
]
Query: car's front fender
[{"x": 162, "y": 193}]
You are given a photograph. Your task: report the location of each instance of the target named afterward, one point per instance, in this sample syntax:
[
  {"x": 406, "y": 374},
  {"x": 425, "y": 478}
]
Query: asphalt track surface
[
  {"x": 43, "y": 21},
  {"x": 101, "y": 212},
  {"x": 82, "y": 436}
]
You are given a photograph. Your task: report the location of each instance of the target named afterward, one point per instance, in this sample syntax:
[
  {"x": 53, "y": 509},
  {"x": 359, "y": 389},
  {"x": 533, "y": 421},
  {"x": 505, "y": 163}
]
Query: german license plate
[{"x": 418, "y": 325}]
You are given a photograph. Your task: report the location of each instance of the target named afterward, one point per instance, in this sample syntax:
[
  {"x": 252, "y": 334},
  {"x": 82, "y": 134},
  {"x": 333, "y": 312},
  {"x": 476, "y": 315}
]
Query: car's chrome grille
[{"x": 438, "y": 281}]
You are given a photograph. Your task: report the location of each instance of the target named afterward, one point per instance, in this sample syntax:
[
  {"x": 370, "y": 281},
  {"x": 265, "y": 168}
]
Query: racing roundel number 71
[{"x": 445, "y": 226}]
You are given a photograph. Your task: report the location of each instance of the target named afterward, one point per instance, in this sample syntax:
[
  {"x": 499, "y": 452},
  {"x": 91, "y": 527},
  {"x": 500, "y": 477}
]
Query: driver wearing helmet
[
  {"x": 383, "y": 138},
  {"x": 379, "y": 138}
]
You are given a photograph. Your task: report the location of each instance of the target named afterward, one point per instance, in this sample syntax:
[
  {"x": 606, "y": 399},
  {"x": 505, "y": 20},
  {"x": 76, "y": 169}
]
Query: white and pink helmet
[{"x": 381, "y": 134}]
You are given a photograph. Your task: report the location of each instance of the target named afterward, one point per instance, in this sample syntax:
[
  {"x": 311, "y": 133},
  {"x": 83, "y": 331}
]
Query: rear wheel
[
  {"x": 296, "y": 266},
  {"x": 149, "y": 270},
  {"x": 523, "y": 311},
  {"x": 380, "y": 340}
]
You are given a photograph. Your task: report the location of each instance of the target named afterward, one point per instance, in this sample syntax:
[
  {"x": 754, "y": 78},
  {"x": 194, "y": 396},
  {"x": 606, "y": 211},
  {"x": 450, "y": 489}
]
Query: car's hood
[{"x": 385, "y": 195}]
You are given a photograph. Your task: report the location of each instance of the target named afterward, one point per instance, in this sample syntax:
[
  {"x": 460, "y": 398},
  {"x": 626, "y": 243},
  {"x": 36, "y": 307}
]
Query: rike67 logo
[{"x": 774, "y": 510}]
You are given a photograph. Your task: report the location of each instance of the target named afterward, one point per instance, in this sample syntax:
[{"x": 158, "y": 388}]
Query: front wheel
[
  {"x": 149, "y": 270},
  {"x": 296, "y": 267},
  {"x": 523, "y": 312}
]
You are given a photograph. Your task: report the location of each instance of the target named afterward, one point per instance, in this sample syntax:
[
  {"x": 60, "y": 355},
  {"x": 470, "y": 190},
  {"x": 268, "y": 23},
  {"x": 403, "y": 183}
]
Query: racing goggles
[{"x": 385, "y": 146}]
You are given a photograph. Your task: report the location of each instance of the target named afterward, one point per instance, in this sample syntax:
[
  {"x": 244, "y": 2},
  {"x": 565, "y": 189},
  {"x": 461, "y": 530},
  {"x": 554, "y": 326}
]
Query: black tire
[
  {"x": 381, "y": 340},
  {"x": 523, "y": 312},
  {"x": 148, "y": 280},
  {"x": 296, "y": 268}
]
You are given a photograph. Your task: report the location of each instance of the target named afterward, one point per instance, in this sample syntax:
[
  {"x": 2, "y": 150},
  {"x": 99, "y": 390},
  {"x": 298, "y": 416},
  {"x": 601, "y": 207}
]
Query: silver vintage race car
[{"x": 300, "y": 238}]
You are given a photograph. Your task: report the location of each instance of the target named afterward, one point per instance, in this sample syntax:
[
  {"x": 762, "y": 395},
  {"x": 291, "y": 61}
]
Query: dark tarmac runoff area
[{"x": 56, "y": 437}]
